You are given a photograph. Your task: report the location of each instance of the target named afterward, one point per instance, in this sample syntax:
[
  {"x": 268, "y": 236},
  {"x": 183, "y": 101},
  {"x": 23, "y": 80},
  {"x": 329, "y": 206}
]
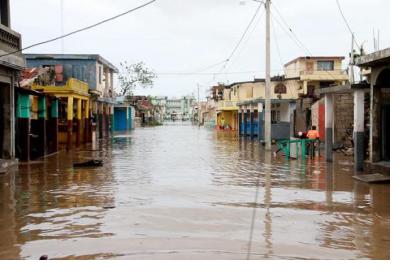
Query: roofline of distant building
[
  {"x": 97, "y": 57},
  {"x": 314, "y": 57}
]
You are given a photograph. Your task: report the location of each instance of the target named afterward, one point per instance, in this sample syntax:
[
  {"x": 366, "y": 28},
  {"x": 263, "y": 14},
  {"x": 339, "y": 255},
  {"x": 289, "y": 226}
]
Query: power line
[
  {"x": 287, "y": 29},
  {"x": 244, "y": 44},
  {"x": 241, "y": 39},
  {"x": 347, "y": 23},
  {"x": 82, "y": 29},
  {"x": 296, "y": 39},
  {"x": 210, "y": 66},
  {"x": 276, "y": 42}
]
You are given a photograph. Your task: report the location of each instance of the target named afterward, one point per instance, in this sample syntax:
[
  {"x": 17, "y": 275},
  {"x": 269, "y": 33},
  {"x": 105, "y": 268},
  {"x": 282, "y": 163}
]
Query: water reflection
[{"x": 182, "y": 192}]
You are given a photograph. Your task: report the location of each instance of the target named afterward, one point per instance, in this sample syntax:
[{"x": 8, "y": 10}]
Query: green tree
[{"x": 132, "y": 75}]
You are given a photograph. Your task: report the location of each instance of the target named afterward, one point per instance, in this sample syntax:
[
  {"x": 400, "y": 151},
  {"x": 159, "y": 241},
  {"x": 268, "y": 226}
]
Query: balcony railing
[
  {"x": 9, "y": 40},
  {"x": 225, "y": 104},
  {"x": 331, "y": 73},
  {"x": 10, "y": 44}
]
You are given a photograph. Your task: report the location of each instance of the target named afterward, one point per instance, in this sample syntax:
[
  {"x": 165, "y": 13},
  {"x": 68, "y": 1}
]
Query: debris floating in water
[{"x": 89, "y": 163}]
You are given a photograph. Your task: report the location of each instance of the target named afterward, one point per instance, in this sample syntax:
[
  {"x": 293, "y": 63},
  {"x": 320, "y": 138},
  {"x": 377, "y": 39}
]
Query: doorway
[
  {"x": 5, "y": 121},
  {"x": 385, "y": 133}
]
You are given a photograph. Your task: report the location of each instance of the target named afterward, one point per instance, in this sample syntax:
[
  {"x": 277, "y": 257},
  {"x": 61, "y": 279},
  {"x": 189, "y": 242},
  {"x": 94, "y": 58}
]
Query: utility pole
[
  {"x": 352, "y": 61},
  {"x": 199, "y": 124},
  {"x": 268, "y": 113}
]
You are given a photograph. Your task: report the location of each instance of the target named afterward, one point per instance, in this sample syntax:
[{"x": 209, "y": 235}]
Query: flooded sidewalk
[{"x": 180, "y": 192}]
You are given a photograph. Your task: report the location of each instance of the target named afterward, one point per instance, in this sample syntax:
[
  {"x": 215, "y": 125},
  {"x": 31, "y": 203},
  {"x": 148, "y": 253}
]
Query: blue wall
[{"x": 83, "y": 70}]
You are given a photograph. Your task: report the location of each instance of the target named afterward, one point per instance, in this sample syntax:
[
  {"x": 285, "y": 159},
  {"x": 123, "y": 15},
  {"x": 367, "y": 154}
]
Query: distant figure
[
  {"x": 223, "y": 123},
  {"x": 301, "y": 135},
  {"x": 43, "y": 258},
  {"x": 313, "y": 134}
]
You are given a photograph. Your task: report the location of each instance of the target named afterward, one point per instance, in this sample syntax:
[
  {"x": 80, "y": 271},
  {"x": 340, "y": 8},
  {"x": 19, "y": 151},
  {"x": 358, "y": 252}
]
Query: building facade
[
  {"x": 11, "y": 63},
  {"x": 92, "y": 69},
  {"x": 370, "y": 110},
  {"x": 179, "y": 108}
]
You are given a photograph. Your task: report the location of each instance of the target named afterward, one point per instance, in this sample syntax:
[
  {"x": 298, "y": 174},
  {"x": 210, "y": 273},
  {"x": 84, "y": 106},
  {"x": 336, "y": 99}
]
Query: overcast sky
[{"x": 185, "y": 36}]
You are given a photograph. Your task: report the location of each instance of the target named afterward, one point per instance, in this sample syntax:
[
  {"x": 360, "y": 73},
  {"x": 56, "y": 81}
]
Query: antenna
[{"x": 378, "y": 39}]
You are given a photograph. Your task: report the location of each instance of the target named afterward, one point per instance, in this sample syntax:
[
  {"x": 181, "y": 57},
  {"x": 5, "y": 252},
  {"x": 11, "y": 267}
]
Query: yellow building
[
  {"x": 314, "y": 72},
  {"x": 73, "y": 111}
]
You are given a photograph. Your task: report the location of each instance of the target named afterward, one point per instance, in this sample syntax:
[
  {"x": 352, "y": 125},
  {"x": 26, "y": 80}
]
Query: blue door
[{"x": 120, "y": 115}]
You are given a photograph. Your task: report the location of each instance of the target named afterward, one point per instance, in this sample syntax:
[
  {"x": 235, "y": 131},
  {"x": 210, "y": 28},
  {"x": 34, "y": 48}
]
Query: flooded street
[{"x": 180, "y": 192}]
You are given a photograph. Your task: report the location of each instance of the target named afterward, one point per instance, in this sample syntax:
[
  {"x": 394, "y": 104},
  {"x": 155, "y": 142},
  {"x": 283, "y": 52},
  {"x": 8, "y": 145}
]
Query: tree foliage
[{"x": 133, "y": 75}]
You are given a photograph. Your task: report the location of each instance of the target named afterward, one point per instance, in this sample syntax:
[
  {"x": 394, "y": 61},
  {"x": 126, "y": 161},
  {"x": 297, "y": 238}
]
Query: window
[
  {"x": 325, "y": 65},
  {"x": 275, "y": 116}
]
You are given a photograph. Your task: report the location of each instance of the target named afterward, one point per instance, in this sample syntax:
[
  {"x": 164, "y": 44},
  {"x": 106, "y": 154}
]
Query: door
[
  {"x": 120, "y": 121},
  {"x": 385, "y": 132}
]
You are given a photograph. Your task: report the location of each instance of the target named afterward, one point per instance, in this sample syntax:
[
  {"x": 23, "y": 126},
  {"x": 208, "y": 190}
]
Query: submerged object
[{"x": 89, "y": 163}]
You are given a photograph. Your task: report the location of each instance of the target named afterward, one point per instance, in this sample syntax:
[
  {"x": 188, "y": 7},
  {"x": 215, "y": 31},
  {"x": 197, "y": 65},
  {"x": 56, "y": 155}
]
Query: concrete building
[
  {"x": 371, "y": 111},
  {"x": 208, "y": 112},
  {"x": 73, "y": 111},
  {"x": 179, "y": 108},
  {"x": 312, "y": 73},
  {"x": 159, "y": 103},
  {"x": 92, "y": 69},
  {"x": 11, "y": 63}
]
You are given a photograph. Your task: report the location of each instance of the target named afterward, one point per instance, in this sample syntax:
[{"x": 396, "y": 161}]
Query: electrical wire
[
  {"x": 276, "y": 42},
  {"x": 289, "y": 31},
  {"x": 210, "y": 66},
  {"x": 82, "y": 29},
  {"x": 347, "y": 23},
  {"x": 241, "y": 39},
  {"x": 244, "y": 44},
  {"x": 296, "y": 40}
]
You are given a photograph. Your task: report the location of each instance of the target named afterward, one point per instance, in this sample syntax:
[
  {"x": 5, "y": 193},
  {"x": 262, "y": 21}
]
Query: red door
[{"x": 322, "y": 129}]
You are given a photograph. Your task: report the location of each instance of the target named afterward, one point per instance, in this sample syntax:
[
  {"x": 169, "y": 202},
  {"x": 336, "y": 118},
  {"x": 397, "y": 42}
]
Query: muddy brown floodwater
[{"x": 179, "y": 192}]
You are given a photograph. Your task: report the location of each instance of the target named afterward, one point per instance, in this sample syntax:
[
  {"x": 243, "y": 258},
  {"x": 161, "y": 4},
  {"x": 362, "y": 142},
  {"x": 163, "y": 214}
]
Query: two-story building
[
  {"x": 92, "y": 69},
  {"x": 11, "y": 63},
  {"x": 312, "y": 73}
]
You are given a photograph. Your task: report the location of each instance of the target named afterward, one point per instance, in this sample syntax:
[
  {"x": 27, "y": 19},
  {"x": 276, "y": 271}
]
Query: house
[
  {"x": 36, "y": 117},
  {"x": 208, "y": 112},
  {"x": 159, "y": 103},
  {"x": 143, "y": 109},
  {"x": 92, "y": 69},
  {"x": 179, "y": 108},
  {"x": 251, "y": 110},
  {"x": 371, "y": 111},
  {"x": 124, "y": 117},
  {"x": 73, "y": 111},
  {"x": 11, "y": 63},
  {"x": 312, "y": 73}
]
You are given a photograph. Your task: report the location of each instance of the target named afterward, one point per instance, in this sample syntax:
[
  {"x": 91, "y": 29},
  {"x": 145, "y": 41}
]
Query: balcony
[
  {"x": 322, "y": 75},
  {"x": 226, "y": 105},
  {"x": 10, "y": 41}
]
